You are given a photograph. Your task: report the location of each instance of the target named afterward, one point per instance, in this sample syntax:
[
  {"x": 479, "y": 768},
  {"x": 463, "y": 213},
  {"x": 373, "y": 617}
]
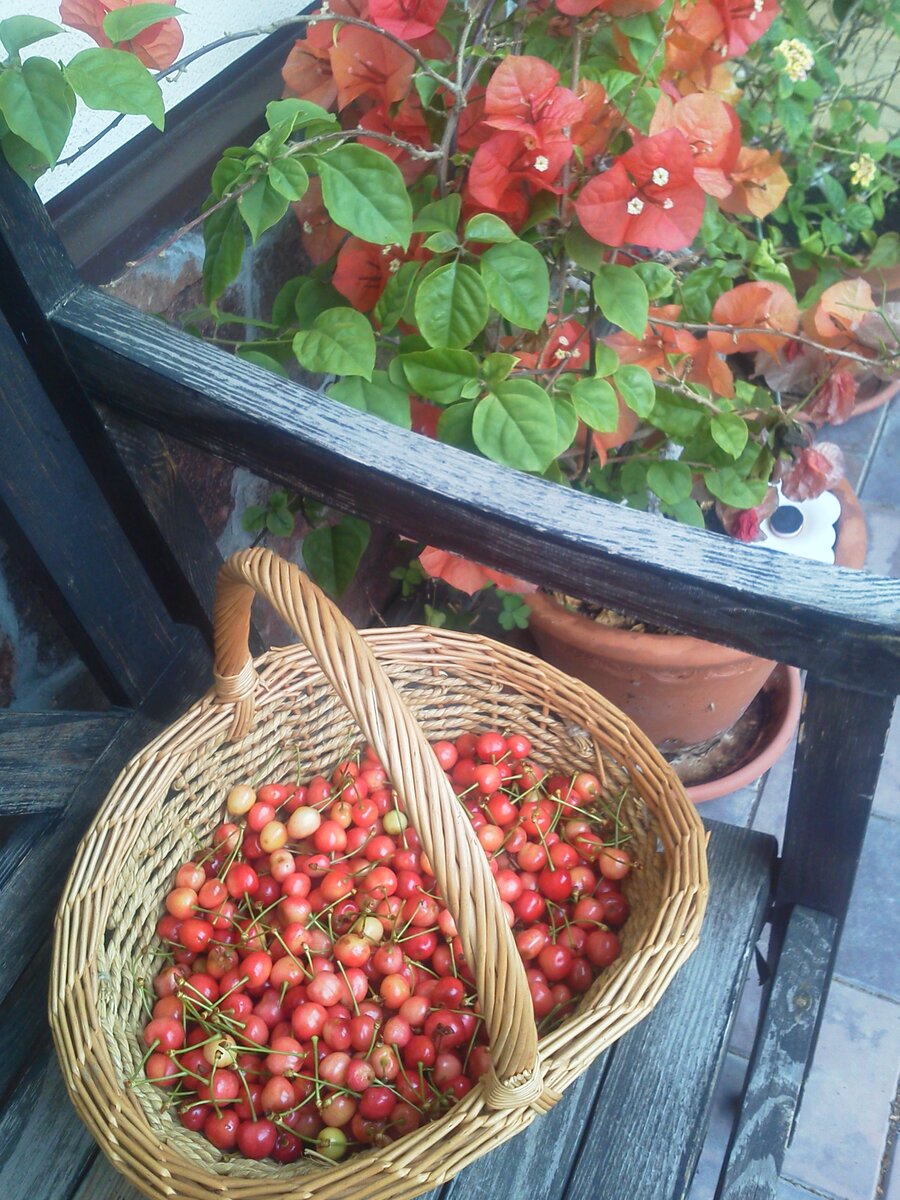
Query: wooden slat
[
  {"x": 647, "y": 1129},
  {"x": 43, "y": 756},
  {"x": 847, "y": 623},
  {"x": 57, "y": 516},
  {"x": 23, "y": 1019},
  {"x": 842, "y": 738},
  {"x": 781, "y": 1058}
]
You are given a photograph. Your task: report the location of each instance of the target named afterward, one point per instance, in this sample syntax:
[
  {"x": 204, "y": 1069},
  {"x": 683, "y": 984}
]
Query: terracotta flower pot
[{"x": 682, "y": 691}]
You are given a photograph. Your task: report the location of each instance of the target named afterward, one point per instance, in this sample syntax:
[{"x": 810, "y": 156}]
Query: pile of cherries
[{"x": 315, "y": 997}]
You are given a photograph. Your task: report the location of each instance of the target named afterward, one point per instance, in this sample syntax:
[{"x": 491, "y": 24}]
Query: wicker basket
[{"x": 280, "y": 717}]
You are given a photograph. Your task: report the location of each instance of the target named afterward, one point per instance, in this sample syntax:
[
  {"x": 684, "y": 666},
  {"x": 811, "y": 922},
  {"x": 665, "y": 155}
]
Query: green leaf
[
  {"x": 596, "y": 403},
  {"x": 332, "y": 555},
  {"x": 393, "y": 300},
  {"x": 635, "y": 386},
  {"x": 114, "y": 80},
  {"x": 223, "y": 238},
  {"x": 18, "y": 32},
  {"x": 584, "y": 251},
  {"x": 566, "y": 423},
  {"x": 283, "y": 304},
  {"x": 485, "y": 227},
  {"x": 439, "y": 375},
  {"x": 365, "y": 194},
  {"x": 516, "y": 426},
  {"x": 266, "y": 361},
  {"x": 671, "y": 481},
  {"x": 677, "y": 416},
  {"x": 732, "y": 489},
  {"x": 622, "y": 298},
  {"x": 688, "y": 512},
  {"x": 253, "y": 518},
  {"x": 455, "y": 426},
  {"x": 225, "y": 176},
  {"x": 451, "y": 306},
  {"x": 885, "y": 252},
  {"x": 314, "y": 297},
  {"x": 36, "y": 104},
  {"x": 658, "y": 280},
  {"x": 517, "y": 283},
  {"x": 606, "y": 361},
  {"x": 729, "y": 431},
  {"x": 280, "y": 522},
  {"x": 441, "y": 241},
  {"x": 440, "y": 215},
  {"x": 289, "y": 178},
  {"x": 27, "y": 163},
  {"x": 123, "y": 24},
  {"x": 496, "y": 367},
  {"x": 341, "y": 342},
  {"x": 261, "y": 207},
  {"x": 378, "y": 396},
  {"x": 298, "y": 114},
  {"x": 834, "y": 193}
]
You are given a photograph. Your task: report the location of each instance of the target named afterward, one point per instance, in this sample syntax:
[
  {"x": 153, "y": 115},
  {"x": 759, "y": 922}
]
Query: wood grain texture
[
  {"x": 683, "y": 578},
  {"x": 840, "y": 749},
  {"x": 44, "y": 755},
  {"x": 23, "y": 1024},
  {"x": 647, "y": 1128},
  {"x": 56, "y": 513},
  {"x": 781, "y": 1059}
]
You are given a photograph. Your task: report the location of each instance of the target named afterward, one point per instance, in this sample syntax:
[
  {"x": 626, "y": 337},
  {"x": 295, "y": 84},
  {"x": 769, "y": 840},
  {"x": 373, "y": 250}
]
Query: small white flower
[
  {"x": 563, "y": 341},
  {"x": 542, "y": 163},
  {"x": 394, "y": 266},
  {"x": 660, "y": 176},
  {"x": 307, "y": 228},
  {"x": 863, "y": 171},
  {"x": 799, "y": 60},
  {"x": 668, "y": 203},
  {"x": 561, "y": 355},
  {"x": 635, "y": 206}
]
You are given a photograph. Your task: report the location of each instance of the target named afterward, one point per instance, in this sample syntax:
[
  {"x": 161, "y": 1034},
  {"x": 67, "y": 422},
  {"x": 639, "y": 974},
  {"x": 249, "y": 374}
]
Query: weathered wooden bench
[{"x": 129, "y": 572}]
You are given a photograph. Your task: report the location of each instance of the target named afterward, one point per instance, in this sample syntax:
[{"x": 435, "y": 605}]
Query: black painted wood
[
  {"x": 683, "y": 578},
  {"x": 647, "y": 1128},
  {"x": 781, "y": 1059},
  {"x": 23, "y": 1019},
  {"x": 840, "y": 750},
  {"x": 43, "y": 755},
  {"x": 57, "y": 516}
]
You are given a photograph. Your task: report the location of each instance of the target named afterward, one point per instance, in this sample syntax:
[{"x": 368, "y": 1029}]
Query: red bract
[
  {"x": 366, "y": 64},
  {"x": 363, "y": 270},
  {"x": 833, "y": 402},
  {"x": 745, "y": 21},
  {"x": 319, "y": 234},
  {"x": 815, "y": 470},
  {"x": 407, "y": 19},
  {"x": 755, "y": 307},
  {"x": 508, "y": 168},
  {"x": 648, "y": 197},
  {"x": 713, "y": 131},
  {"x": 157, "y": 47},
  {"x": 692, "y": 29},
  {"x": 592, "y": 131},
  {"x": 661, "y": 346},
  {"x": 567, "y": 346},
  {"x": 307, "y": 74},
  {"x": 468, "y": 576},
  {"x": 522, "y": 95},
  {"x": 406, "y": 122}
]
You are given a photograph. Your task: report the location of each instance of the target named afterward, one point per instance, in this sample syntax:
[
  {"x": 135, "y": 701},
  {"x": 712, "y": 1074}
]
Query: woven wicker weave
[{"x": 298, "y": 711}]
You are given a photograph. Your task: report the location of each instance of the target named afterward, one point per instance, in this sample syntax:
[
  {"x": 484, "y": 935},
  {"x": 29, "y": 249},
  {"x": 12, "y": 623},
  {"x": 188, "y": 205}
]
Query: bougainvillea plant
[{"x": 632, "y": 246}]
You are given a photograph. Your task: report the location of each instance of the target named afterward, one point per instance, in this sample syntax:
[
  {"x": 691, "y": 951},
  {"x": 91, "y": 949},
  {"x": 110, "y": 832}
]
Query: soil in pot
[{"x": 682, "y": 691}]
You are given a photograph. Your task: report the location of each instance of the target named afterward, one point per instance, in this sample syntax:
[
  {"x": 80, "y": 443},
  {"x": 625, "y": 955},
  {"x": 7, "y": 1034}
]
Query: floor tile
[
  {"x": 855, "y": 438},
  {"x": 734, "y": 809},
  {"x": 724, "y": 1110},
  {"x": 883, "y": 554},
  {"x": 843, "y": 1121},
  {"x": 772, "y": 807},
  {"x": 880, "y": 485},
  {"x": 793, "y": 1191},
  {"x": 868, "y": 950},
  {"x": 887, "y": 793}
]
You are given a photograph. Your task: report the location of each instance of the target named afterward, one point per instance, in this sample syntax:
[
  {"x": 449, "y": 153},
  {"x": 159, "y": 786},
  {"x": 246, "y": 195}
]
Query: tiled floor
[{"x": 843, "y": 1142}]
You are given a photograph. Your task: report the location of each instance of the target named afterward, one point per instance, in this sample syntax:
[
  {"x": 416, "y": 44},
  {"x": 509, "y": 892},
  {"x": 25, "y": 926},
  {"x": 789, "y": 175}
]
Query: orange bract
[
  {"x": 156, "y": 47},
  {"x": 760, "y": 183},
  {"x": 759, "y": 306}
]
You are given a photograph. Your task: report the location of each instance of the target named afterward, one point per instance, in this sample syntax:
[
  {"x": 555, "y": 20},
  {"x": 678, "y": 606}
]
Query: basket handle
[{"x": 459, "y": 863}]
